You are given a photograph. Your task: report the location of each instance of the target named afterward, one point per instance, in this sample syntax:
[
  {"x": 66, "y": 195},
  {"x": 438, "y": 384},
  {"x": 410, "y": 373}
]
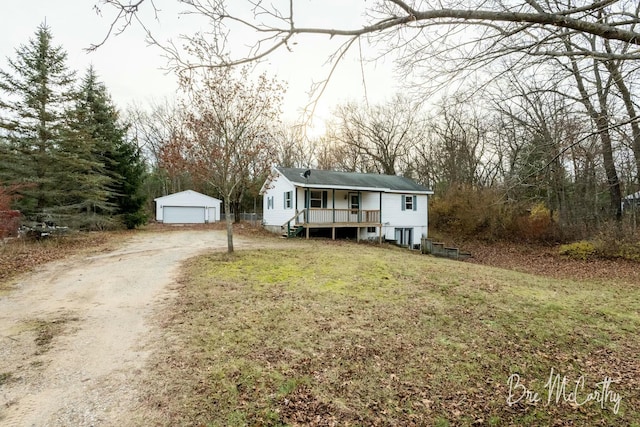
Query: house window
[
  {"x": 316, "y": 199},
  {"x": 408, "y": 203},
  {"x": 371, "y": 229},
  {"x": 270, "y": 202},
  {"x": 288, "y": 199}
]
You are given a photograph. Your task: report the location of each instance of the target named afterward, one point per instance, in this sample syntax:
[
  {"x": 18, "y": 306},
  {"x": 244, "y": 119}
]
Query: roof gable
[
  {"x": 334, "y": 179},
  {"x": 187, "y": 195}
]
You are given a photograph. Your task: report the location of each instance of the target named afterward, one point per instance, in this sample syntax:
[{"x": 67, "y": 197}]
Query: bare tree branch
[{"x": 404, "y": 16}]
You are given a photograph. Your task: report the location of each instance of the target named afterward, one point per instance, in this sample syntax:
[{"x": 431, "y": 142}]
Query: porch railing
[
  {"x": 328, "y": 216},
  {"x": 294, "y": 220}
]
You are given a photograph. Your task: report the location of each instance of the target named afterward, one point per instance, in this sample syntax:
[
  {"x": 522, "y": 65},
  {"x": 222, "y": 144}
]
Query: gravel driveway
[{"x": 75, "y": 335}]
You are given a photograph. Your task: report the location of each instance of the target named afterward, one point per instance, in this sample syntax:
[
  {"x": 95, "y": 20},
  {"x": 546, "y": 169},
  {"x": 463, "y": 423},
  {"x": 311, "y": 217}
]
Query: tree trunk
[
  {"x": 227, "y": 218},
  {"x": 601, "y": 119},
  {"x": 625, "y": 93},
  {"x": 610, "y": 166},
  {"x": 236, "y": 212}
]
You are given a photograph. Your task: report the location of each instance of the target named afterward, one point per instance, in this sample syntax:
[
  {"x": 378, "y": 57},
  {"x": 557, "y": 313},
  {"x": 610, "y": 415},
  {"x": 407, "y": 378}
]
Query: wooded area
[{"x": 522, "y": 117}]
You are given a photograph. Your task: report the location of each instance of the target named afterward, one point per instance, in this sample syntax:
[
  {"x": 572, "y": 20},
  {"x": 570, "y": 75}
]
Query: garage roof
[{"x": 187, "y": 198}]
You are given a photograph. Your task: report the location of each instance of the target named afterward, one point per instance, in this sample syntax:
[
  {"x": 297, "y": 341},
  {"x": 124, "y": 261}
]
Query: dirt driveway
[{"x": 75, "y": 335}]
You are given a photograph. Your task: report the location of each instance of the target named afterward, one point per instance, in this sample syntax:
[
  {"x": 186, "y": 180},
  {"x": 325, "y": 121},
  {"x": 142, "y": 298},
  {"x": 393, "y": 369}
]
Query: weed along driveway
[{"x": 75, "y": 335}]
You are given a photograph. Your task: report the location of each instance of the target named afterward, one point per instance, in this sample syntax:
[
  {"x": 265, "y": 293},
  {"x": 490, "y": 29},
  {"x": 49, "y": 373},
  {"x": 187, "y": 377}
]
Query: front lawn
[{"x": 334, "y": 333}]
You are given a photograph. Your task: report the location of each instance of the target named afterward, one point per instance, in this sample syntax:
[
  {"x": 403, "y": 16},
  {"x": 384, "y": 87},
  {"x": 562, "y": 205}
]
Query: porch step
[{"x": 293, "y": 232}]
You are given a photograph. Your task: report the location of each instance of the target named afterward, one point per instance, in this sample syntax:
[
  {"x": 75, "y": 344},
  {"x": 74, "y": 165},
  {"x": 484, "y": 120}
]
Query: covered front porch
[{"x": 306, "y": 219}]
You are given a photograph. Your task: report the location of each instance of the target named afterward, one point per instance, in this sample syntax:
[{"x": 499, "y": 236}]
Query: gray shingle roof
[{"x": 329, "y": 179}]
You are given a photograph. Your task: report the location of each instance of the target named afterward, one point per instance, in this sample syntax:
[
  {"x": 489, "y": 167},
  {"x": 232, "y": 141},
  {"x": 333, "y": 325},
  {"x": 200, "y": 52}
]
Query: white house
[
  {"x": 372, "y": 206},
  {"x": 187, "y": 207}
]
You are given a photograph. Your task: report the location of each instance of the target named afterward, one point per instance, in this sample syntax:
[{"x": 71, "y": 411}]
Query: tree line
[
  {"x": 530, "y": 165},
  {"x": 543, "y": 131},
  {"x": 65, "y": 154},
  {"x": 541, "y": 138}
]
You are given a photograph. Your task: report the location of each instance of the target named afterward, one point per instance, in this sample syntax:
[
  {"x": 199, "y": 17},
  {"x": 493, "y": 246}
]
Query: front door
[
  {"x": 354, "y": 207},
  {"x": 408, "y": 237}
]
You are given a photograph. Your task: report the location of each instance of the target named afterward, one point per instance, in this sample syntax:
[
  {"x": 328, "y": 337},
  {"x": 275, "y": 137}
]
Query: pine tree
[
  {"x": 67, "y": 146},
  {"x": 38, "y": 91},
  {"x": 129, "y": 194},
  {"x": 97, "y": 117}
]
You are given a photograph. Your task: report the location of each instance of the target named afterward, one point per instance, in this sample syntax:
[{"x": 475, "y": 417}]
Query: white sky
[{"x": 133, "y": 71}]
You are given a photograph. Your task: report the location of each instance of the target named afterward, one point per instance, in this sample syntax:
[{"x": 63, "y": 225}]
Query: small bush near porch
[{"x": 338, "y": 334}]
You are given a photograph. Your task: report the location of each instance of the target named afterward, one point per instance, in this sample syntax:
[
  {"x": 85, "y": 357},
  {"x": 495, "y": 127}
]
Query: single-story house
[
  {"x": 373, "y": 206},
  {"x": 187, "y": 207}
]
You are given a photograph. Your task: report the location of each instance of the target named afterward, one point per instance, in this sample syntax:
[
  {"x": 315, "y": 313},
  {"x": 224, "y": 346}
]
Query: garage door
[{"x": 183, "y": 215}]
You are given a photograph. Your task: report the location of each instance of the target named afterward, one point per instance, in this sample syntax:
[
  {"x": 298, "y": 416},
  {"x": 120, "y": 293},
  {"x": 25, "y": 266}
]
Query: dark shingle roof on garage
[{"x": 333, "y": 179}]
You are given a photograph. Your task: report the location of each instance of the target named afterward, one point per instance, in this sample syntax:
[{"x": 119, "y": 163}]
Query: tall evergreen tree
[
  {"x": 37, "y": 90},
  {"x": 97, "y": 118},
  {"x": 67, "y": 146}
]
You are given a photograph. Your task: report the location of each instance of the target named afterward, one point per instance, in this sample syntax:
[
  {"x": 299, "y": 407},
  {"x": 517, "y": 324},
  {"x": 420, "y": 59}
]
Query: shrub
[
  {"x": 579, "y": 250},
  {"x": 486, "y": 213},
  {"x": 538, "y": 225},
  {"x": 9, "y": 223},
  {"x": 133, "y": 220},
  {"x": 629, "y": 251},
  {"x": 466, "y": 211}
]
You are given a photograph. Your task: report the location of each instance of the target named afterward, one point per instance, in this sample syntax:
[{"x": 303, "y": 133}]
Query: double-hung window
[
  {"x": 316, "y": 199},
  {"x": 288, "y": 199},
  {"x": 408, "y": 203}
]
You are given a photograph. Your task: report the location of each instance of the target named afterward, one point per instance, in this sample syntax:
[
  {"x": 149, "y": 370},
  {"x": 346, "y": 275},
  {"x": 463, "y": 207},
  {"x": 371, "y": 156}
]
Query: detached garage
[{"x": 187, "y": 207}]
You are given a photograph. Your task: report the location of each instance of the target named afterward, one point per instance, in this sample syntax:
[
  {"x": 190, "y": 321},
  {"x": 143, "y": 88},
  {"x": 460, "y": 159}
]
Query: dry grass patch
[
  {"x": 345, "y": 334},
  {"x": 47, "y": 330}
]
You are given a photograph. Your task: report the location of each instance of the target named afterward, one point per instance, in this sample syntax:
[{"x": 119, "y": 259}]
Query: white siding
[
  {"x": 277, "y": 215},
  {"x": 394, "y": 217},
  {"x": 370, "y": 201},
  {"x": 213, "y": 215}
]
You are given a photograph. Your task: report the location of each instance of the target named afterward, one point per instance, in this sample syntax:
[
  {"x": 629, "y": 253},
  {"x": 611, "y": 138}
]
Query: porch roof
[{"x": 352, "y": 181}]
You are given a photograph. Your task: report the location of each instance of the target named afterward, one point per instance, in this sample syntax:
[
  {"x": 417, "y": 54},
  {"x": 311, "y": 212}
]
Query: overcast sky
[{"x": 133, "y": 71}]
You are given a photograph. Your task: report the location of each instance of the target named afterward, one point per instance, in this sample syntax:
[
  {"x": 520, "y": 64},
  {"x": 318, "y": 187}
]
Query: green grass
[{"x": 361, "y": 335}]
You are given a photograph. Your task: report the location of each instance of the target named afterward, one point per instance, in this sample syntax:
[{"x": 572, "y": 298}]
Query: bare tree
[
  {"x": 461, "y": 138},
  {"x": 543, "y": 120},
  {"x": 382, "y": 136},
  {"x": 293, "y": 147},
  {"x": 226, "y": 136},
  {"x": 156, "y": 128},
  {"x": 416, "y": 33},
  {"x": 621, "y": 78},
  {"x": 597, "y": 105},
  {"x": 326, "y": 155},
  {"x": 275, "y": 24},
  {"x": 153, "y": 126}
]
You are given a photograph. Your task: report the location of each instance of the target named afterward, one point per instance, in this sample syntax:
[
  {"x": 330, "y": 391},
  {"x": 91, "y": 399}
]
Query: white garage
[{"x": 187, "y": 207}]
